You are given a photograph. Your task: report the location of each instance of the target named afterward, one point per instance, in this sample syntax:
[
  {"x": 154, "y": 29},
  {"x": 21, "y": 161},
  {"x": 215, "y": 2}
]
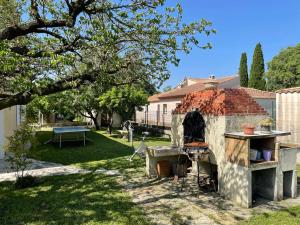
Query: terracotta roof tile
[
  {"x": 156, "y": 97},
  {"x": 255, "y": 93},
  {"x": 220, "y": 102},
  {"x": 289, "y": 90},
  {"x": 153, "y": 98}
]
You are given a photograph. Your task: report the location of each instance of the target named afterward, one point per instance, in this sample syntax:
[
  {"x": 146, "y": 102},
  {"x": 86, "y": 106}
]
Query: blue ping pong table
[{"x": 59, "y": 131}]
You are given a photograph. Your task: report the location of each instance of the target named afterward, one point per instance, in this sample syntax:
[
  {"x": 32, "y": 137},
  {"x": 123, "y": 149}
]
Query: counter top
[
  {"x": 158, "y": 151},
  {"x": 257, "y": 134}
]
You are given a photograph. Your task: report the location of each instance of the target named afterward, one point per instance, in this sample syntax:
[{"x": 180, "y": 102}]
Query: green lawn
[
  {"x": 92, "y": 198},
  {"x": 77, "y": 199},
  {"x": 290, "y": 216}
]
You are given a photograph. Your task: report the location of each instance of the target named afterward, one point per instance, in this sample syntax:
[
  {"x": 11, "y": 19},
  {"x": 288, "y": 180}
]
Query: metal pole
[
  {"x": 60, "y": 140},
  {"x": 84, "y": 138}
]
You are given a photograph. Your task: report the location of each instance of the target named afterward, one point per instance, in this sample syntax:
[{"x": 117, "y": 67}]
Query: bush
[
  {"x": 19, "y": 145},
  {"x": 26, "y": 181}
]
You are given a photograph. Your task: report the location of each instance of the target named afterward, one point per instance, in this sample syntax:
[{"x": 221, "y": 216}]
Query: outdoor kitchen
[{"x": 230, "y": 146}]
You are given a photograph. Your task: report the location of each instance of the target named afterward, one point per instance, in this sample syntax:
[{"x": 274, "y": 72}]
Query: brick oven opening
[
  {"x": 193, "y": 127},
  {"x": 195, "y": 145}
]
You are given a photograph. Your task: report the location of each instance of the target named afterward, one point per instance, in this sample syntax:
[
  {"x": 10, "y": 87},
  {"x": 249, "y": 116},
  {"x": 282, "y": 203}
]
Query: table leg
[
  {"x": 59, "y": 140},
  {"x": 84, "y": 138}
]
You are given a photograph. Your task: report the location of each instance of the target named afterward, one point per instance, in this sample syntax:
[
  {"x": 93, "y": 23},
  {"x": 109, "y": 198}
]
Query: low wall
[{"x": 1, "y": 135}]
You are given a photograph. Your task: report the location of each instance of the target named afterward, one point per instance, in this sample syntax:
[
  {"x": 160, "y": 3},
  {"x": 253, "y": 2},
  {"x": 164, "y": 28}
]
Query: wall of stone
[
  {"x": 1, "y": 135},
  {"x": 234, "y": 183},
  {"x": 177, "y": 130},
  {"x": 216, "y": 126}
]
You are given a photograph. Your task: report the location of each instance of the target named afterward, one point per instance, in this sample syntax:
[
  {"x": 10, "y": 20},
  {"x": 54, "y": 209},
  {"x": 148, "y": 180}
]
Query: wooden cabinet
[{"x": 238, "y": 145}]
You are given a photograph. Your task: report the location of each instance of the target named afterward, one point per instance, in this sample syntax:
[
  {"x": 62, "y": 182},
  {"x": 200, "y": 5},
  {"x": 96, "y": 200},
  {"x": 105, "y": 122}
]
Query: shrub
[{"x": 18, "y": 148}]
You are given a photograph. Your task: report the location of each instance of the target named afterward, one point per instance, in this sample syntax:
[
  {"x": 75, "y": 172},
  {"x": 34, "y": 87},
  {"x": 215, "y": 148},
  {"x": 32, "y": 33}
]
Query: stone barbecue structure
[{"x": 239, "y": 179}]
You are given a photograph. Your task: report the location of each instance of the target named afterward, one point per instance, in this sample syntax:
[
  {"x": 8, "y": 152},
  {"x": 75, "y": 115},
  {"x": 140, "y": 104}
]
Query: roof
[
  {"x": 221, "y": 79},
  {"x": 255, "y": 93},
  {"x": 153, "y": 98},
  {"x": 220, "y": 102},
  {"x": 181, "y": 92},
  {"x": 289, "y": 90}
]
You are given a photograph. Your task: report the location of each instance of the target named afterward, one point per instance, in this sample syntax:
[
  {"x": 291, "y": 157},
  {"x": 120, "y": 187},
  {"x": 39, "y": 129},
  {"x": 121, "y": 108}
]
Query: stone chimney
[{"x": 211, "y": 82}]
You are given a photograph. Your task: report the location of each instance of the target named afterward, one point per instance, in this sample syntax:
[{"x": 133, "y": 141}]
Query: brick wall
[{"x": 219, "y": 102}]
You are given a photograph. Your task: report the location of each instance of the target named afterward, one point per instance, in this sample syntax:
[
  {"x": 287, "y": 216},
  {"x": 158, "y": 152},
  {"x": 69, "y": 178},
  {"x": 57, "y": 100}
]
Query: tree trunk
[
  {"x": 95, "y": 119},
  {"x": 96, "y": 123},
  {"x": 110, "y": 119}
]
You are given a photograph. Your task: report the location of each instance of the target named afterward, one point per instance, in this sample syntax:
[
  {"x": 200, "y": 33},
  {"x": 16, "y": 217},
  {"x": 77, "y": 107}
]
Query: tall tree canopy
[
  {"x": 257, "y": 79},
  {"x": 123, "y": 101},
  {"x": 43, "y": 51},
  {"x": 243, "y": 70},
  {"x": 284, "y": 69}
]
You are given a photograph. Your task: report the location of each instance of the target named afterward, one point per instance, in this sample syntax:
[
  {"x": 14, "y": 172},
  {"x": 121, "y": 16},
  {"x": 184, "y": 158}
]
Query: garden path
[
  {"x": 42, "y": 168},
  {"x": 164, "y": 202}
]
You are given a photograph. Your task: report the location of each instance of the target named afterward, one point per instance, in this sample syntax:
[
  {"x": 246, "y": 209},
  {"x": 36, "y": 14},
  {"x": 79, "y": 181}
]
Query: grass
[
  {"x": 93, "y": 198},
  {"x": 77, "y": 199},
  {"x": 289, "y": 216}
]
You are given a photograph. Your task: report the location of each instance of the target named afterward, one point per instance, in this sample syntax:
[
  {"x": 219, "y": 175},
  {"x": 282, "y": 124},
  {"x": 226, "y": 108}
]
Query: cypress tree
[
  {"x": 243, "y": 70},
  {"x": 257, "y": 71}
]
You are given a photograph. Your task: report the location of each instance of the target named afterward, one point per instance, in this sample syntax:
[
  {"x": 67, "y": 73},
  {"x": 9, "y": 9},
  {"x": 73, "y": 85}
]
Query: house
[
  {"x": 161, "y": 105},
  {"x": 10, "y": 118}
]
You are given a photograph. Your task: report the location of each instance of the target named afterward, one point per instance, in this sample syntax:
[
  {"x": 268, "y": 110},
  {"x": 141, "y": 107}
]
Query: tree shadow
[
  {"x": 72, "y": 199},
  {"x": 99, "y": 148}
]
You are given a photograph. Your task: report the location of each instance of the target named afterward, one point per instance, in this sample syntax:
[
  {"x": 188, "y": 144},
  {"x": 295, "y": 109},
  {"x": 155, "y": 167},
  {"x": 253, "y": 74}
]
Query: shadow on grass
[
  {"x": 102, "y": 151},
  {"x": 73, "y": 199},
  {"x": 100, "y": 148}
]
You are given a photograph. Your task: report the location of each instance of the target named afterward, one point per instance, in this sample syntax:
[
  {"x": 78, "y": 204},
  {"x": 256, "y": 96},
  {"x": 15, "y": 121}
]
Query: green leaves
[
  {"x": 112, "y": 40},
  {"x": 243, "y": 70},
  {"x": 123, "y": 101},
  {"x": 284, "y": 69},
  {"x": 257, "y": 72}
]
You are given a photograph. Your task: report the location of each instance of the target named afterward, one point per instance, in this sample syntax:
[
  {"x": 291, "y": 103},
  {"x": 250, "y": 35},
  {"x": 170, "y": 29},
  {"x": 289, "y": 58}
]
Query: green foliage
[
  {"x": 257, "y": 79},
  {"x": 123, "y": 100},
  {"x": 284, "y": 69},
  {"x": 109, "y": 42},
  {"x": 60, "y": 103},
  {"x": 243, "y": 70},
  {"x": 19, "y": 146}
]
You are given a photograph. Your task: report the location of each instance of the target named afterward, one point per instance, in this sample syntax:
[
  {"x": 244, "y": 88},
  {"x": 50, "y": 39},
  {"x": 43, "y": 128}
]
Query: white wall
[
  {"x": 1, "y": 135},
  {"x": 164, "y": 119},
  {"x": 288, "y": 116}
]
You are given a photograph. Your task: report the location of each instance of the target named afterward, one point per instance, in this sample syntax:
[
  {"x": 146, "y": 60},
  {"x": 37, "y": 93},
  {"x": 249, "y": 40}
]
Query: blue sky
[{"x": 240, "y": 24}]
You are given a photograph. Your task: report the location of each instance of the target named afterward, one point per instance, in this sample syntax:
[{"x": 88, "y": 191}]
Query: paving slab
[{"x": 165, "y": 203}]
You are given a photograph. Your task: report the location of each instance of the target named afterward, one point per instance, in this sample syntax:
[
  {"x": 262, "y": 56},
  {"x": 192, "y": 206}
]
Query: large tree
[
  {"x": 123, "y": 101},
  {"x": 243, "y": 70},
  {"x": 43, "y": 51},
  {"x": 284, "y": 69},
  {"x": 257, "y": 72}
]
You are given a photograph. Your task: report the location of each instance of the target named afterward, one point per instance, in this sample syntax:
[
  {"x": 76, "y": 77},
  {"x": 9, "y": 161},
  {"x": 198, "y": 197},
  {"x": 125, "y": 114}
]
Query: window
[{"x": 165, "y": 108}]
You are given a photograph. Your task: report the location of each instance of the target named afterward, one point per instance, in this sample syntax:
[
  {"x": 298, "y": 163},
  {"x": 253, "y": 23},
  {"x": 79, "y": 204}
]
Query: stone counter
[{"x": 158, "y": 153}]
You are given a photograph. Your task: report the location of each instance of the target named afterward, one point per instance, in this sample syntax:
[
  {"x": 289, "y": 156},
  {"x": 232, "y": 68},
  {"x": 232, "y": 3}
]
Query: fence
[{"x": 157, "y": 118}]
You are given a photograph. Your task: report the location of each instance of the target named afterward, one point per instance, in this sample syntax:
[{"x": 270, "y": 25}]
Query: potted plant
[
  {"x": 266, "y": 125},
  {"x": 248, "y": 128}
]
